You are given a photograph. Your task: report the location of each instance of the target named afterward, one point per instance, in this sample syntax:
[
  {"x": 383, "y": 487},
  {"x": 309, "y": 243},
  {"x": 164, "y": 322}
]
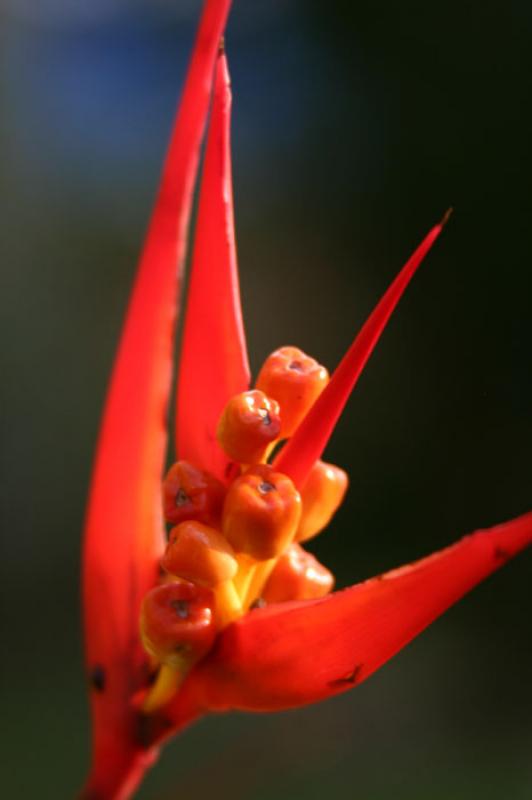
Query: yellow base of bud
[
  {"x": 168, "y": 681},
  {"x": 242, "y": 580},
  {"x": 228, "y": 604},
  {"x": 261, "y": 573}
]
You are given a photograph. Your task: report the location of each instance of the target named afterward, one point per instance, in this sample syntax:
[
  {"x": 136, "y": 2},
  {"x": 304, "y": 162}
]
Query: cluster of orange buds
[{"x": 232, "y": 547}]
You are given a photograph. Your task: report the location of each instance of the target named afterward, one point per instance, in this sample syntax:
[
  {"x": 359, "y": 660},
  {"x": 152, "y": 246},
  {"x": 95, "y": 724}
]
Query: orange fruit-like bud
[
  {"x": 295, "y": 380},
  {"x": 249, "y": 423},
  {"x": 322, "y": 494},
  {"x": 177, "y": 623},
  {"x": 192, "y": 493},
  {"x": 199, "y": 554},
  {"x": 261, "y": 513},
  {"x": 298, "y": 575}
]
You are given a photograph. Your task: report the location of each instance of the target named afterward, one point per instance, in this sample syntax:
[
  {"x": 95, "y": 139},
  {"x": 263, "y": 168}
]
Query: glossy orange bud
[
  {"x": 295, "y": 380},
  {"x": 261, "y": 513},
  {"x": 199, "y": 554},
  {"x": 298, "y": 575},
  {"x": 177, "y": 623},
  {"x": 192, "y": 493},
  {"x": 321, "y": 494},
  {"x": 250, "y": 422}
]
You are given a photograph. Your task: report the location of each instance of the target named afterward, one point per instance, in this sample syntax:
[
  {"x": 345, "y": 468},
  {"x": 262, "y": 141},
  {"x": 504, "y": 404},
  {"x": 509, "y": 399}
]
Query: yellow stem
[
  {"x": 269, "y": 450},
  {"x": 246, "y": 568},
  {"x": 261, "y": 573},
  {"x": 166, "y": 684},
  {"x": 228, "y": 603}
]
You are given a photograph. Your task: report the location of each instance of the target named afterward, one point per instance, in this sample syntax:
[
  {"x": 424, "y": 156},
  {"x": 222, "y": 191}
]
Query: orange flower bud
[
  {"x": 199, "y": 554},
  {"x": 261, "y": 513},
  {"x": 177, "y": 623},
  {"x": 322, "y": 494},
  {"x": 191, "y": 493},
  {"x": 298, "y": 575},
  {"x": 295, "y": 380},
  {"x": 249, "y": 423}
]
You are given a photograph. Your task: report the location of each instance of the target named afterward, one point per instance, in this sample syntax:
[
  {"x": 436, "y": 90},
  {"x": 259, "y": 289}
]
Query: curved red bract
[
  {"x": 124, "y": 530},
  {"x": 293, "y": 654}
]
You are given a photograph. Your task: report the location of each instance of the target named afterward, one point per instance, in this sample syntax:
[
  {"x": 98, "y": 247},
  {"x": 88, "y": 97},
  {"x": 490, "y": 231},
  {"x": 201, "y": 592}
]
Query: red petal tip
[{"x": 311, "y": 438}]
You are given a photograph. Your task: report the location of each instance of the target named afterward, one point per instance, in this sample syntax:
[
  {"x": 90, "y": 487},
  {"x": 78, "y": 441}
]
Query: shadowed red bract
[
  {"x": 310, "y": 439},
  {"x": 297, "y": 653},
  {"x": 124, "y": 530},
  {"x": 214, "y": 363}
]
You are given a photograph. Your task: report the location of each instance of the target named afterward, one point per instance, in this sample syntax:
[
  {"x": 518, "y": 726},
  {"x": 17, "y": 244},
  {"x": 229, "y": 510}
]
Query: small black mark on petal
[
  {"x": 152, "y": 677},
  {"x": 501, "y": 554},
  {"x": 296, "y": 366},
  {"x": 347, "y": 680},
  {"x": 97, "y": 678},
  {"x": 266, "y": 487},
  {"x": 260, "y": 602},
  {"x": 231, "y": 471}
]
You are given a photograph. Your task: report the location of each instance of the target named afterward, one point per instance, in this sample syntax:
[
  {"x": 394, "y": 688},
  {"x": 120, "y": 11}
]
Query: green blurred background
[{"x": 355, "y": 126}]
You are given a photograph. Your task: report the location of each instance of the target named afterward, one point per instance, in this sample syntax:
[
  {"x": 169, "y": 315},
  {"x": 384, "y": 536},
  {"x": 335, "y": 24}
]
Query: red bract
[{"x": 285, "y": 655}]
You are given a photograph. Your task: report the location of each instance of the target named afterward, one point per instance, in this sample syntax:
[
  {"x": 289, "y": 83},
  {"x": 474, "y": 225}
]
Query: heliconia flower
[{"x": 204, "y": 651}]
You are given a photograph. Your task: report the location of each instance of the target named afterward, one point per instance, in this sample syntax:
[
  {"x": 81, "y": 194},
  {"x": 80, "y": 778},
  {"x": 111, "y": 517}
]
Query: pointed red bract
[
  {"x": 311, "y": 438},
  {"x": 297, "y": 653},
  {"x": 214, "y": 362},
  {"x": 124, "y": 530}
]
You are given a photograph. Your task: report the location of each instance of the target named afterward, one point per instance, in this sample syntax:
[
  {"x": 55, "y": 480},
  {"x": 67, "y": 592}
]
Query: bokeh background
[{"x": 355, "y": 126}]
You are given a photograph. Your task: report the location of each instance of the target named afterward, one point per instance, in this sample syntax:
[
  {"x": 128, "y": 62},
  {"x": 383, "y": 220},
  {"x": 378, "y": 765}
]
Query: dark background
[{"x": 355, "y": 126}]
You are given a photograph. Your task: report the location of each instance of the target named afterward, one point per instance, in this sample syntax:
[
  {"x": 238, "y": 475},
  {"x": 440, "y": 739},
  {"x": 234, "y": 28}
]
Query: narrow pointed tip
[
  {"x": 213, "y": 333},
  {"x": 309, "y": 441},
  {"x": 292, "y": 654},
  {"x": 445, "y": 219}
]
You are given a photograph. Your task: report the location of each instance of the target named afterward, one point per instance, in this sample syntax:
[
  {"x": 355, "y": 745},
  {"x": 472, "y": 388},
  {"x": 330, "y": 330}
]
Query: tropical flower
[{"x": 169, "y": 630}]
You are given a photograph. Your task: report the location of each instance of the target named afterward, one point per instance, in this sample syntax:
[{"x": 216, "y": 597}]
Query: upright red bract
[
  {"x": 124, "y": 530},
  {"x": 285, "y": 655},
  {"x": 213, "y": 365}
]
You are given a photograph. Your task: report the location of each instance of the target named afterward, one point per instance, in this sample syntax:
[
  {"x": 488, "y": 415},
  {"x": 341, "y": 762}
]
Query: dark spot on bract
[
  {"x": 260, "y": 602},
  {"x": 148, "y": 673},
  {"x": 181, "y": 608},
  {"x": 266, "y": 487},
  {"x": 97, "y": 678},
  {"x": 181, "y": 498},
  {"x": 152, "y": 677},
  {"x": 231, "y": 471},
  {"x": 347, "y": 680},
  {"x": 501, "y": 554}
]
